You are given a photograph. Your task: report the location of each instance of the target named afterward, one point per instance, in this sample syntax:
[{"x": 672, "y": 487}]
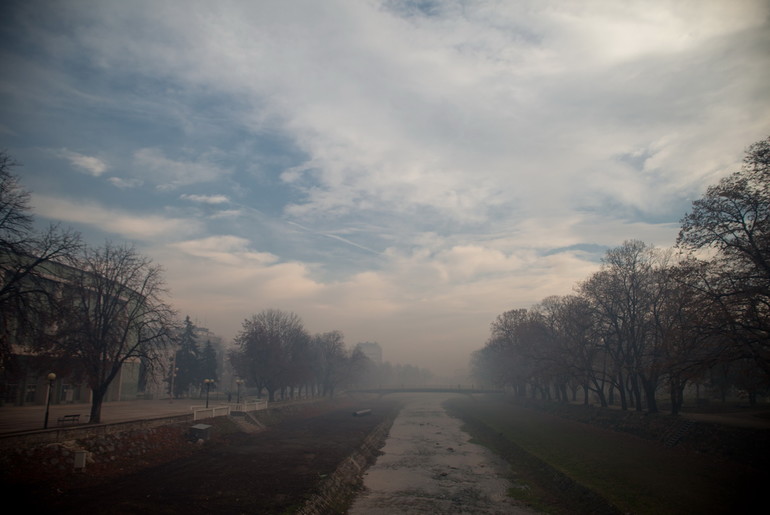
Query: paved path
[
  {"x": 753, "y": 418},
  {"x": 26, "y": 418}
]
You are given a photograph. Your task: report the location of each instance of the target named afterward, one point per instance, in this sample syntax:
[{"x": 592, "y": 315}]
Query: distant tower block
[{"x": 371, "y": 350}]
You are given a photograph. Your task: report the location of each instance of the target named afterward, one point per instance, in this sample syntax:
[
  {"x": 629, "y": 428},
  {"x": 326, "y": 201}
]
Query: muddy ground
[{"x": 272, "y": 471}]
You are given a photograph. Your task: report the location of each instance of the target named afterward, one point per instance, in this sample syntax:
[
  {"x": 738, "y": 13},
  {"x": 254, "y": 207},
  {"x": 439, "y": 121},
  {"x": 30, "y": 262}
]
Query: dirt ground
[{"x": 272, "y": 471}]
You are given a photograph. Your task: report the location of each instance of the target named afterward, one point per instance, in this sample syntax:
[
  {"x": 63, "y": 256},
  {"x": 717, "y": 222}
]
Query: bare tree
[
  {"x": 734, "y": 215},
  {"x": 15, "y": 218},
  {"x": 333, "y": 365},
  {"x": 733, "y": 218},
  {"x": 685, "y": 323},
  {"x": 25, "y": 258},
  {"x": 503, "y": 360},
  {"x": 116, "y": 313},
  {"x": 576, "y": 350},
  {"x": 266, "y": 347}
]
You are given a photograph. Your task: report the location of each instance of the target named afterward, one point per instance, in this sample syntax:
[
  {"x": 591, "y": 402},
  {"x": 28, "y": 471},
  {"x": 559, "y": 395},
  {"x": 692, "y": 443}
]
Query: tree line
[
  {"x": 652, "y": 318},
  {"x": 275, "y": 353}
]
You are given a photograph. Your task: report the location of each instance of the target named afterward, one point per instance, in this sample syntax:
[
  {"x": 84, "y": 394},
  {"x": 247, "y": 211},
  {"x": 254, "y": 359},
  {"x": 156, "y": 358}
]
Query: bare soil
[{"x": 272, "y": 471}]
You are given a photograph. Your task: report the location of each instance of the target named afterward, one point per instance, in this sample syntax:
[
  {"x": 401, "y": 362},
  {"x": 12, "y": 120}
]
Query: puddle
[{"x": 429, "y": 466}]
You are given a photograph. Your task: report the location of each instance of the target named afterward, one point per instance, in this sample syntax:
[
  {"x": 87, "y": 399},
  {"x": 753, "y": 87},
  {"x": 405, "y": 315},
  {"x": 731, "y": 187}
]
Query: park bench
[{"x": 69, "y": 419}]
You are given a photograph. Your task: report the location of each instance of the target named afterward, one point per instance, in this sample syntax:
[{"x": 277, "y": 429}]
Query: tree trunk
[
  {"x": 97, "y": 399},
  {"x": 637, "y": 393},
  {"x": 677, "y": 396},
  {"x": 600, "y": 393},
  {"x": 622, "y": 392},
  {"x": 649, "y": 393}
]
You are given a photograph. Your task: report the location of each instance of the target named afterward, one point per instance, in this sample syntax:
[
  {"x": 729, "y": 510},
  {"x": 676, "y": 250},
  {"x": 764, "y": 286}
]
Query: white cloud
[
  {"x": 86, "y": 164},
  {"x": 227, "y": 250},
  {"x": 121, "y": 183},
  {"x": 206, "y": 199},
  {"x": 227, "y": 213},
  {"x": 153, "y": 166},
  {"x": 115, "y": 221},
  {"x": 455, "y": 112}
]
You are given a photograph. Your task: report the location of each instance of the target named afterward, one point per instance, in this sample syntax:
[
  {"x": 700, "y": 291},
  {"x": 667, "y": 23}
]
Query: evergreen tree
[
  {"x": 187, "y": 360},
  {"x": 208, "y": 362}
]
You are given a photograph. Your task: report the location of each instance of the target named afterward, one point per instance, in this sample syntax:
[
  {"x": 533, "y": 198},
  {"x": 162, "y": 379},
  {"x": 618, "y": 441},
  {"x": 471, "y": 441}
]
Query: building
[{"x": 24, "y": 370}]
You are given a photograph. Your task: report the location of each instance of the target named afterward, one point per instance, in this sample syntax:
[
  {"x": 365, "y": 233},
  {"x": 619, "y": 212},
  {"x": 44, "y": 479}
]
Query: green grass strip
[{"x": 581, "y": 464}]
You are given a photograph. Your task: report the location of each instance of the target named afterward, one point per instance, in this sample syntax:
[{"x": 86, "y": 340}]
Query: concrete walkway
[
  {"x": 26, "y": 418},
  {"x": 751, "y": 418}
]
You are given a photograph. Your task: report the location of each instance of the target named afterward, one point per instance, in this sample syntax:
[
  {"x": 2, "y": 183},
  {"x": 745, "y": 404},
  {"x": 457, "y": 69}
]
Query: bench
[{"x": 69, "y": 419}]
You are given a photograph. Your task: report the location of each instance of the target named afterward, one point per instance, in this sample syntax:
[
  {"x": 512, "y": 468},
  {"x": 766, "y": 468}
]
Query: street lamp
[
  {"x": 173, "y": 372},
  {"x": 207, "y": 382},
  {"x": 238, "y": 383},
  {"x": 51, "y": 378}
]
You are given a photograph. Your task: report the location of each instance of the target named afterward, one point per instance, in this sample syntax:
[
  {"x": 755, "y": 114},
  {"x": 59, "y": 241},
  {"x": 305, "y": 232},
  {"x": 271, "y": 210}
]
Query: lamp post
[
  {"x": 173, "y": 372},
  {"x": 51, "y": 378},
  {"x": 238, "y": 383},
  {"x": 207, "y": 382}
]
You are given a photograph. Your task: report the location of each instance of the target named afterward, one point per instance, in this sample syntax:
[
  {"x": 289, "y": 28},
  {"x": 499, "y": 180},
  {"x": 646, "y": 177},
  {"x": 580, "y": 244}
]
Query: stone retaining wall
[
  {"x": 29, "y": 439},
  {"x": 337, "y": 491},
  {"x": 51, "y": 453}
]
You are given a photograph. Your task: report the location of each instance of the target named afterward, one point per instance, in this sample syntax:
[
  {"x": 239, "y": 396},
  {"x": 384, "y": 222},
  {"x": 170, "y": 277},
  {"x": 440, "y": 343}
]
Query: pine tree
[
  {"x": 187, "y": 360},
  {"x": 208, "y": 361}
]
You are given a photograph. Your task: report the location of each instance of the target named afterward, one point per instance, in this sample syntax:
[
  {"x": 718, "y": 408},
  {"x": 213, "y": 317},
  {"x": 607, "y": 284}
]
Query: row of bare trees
[
  {"x": 652, "y": 318},
  {"x": 274, "y": 352}
]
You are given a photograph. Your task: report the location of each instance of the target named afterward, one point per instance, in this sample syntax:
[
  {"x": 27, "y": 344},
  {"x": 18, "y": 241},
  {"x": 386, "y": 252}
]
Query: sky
[{"x": 400, "y": 171}]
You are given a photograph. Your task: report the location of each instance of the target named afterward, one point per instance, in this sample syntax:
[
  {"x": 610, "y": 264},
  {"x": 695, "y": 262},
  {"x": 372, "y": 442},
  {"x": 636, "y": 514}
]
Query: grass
[{"x": 570, "y": 467}]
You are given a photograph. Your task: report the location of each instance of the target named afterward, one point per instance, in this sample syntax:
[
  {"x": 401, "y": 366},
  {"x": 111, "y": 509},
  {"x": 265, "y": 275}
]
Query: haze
[{"x": 401, "y": 171}]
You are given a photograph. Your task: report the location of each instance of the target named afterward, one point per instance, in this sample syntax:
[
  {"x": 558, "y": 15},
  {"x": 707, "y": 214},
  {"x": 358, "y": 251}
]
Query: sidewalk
[
  {"x": 750, "y": 418},
  {"x": 26, "y": 418}
]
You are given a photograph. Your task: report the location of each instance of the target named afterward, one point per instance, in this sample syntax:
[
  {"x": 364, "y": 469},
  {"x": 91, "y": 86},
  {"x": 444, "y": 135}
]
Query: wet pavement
[{"x": 428, "y": 465}]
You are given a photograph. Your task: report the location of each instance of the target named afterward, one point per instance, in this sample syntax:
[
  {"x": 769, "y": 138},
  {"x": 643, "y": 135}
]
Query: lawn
[{"x": 571, "y": 467}]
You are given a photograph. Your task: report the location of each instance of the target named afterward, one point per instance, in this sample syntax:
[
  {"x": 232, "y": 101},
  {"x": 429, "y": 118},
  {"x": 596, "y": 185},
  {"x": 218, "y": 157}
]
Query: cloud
[
  {"x": 86, "y": 164},
  {"x": 458, "y": 112},
  {"x": 115, "y": 221},
  {"x": 154, "y": 166},
  {"x": 401, "y": 171},
  {"x": 121, "y": 183},
  {"x": 206, "y": 199},
  {"x": 226, "y": 250}
]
